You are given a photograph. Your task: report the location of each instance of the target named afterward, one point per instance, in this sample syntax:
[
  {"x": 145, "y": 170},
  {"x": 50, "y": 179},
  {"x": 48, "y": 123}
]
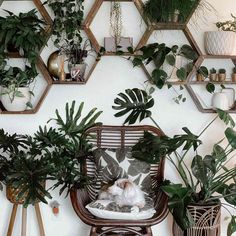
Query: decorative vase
[
  {"x": 219, "y": 42},
  {"x": 206, "y": 221},
  {"x": 220, "y": 100},
  {"x": 18, "y": 103},
  {"x": 213, "y": 77},
  {"x": 222, "y": 77},
  {"x": 233, "y": 77},
  {"x": 77, "y": 72},
  {"x": 52, "y": 64}
]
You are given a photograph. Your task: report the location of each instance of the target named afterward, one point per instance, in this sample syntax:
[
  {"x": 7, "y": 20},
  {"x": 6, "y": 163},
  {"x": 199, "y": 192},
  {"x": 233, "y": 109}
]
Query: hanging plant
[
  {"x": 116, "y": 22},
  {"x": 68, "y": 20}
]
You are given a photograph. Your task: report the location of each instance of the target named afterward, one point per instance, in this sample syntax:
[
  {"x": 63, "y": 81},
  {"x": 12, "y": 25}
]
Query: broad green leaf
[{"x": 231, "y": 137}]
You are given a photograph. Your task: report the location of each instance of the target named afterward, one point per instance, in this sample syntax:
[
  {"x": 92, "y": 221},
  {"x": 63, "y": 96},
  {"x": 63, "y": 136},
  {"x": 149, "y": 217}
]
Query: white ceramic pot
[
  {"x": 220, "y": 100},
  {"x": 18, "y": 103},
  {"x": 219, "y": 42}
]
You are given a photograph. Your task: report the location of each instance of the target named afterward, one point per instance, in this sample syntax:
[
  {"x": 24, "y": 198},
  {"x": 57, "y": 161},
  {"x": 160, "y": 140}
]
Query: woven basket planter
[
  {"x": 206, "y": 221},
  {"x": 12, "y": 194},
  {"x": 220, "y": 42}
]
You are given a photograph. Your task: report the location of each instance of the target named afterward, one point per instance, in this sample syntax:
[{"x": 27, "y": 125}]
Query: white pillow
[{"x": 99, "y": 208}]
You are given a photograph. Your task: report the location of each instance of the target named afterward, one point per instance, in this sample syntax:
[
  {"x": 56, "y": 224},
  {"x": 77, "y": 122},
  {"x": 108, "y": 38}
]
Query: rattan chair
[{"x": 114, "y": 137}]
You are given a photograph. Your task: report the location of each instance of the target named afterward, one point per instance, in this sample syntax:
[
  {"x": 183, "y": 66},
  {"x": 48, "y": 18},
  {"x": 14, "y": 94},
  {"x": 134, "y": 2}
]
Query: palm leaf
[{"x": 134, "y": 102}]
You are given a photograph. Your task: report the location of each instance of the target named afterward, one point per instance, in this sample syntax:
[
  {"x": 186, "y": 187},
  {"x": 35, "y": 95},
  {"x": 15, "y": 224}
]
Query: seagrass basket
[{"x": 206, "y": 221}]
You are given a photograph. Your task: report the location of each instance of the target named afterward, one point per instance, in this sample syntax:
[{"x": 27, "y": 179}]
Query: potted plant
[
  {"x": 76, "y": 54},
  {"x": 234, "y": 75},
  {"x": 221, "y": 42},
  {"x": 68, "y": 20},
  {"x": 24, "y": 33},
  {"x": 204, "y": 184},
  {"x": 222, "y": 75},
  {"x": 202, "y": 73},
  {"x": 15, "y": 93},
  {"x": 213, "y": 75},
  {"x": 23, "y": 169},
  {"x": 66, "y": 147},
  {"x": 169, "y": 11}
]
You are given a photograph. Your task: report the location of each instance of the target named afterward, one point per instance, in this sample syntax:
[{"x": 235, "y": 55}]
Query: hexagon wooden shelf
[
  {"x": 42, "y": 68},
  {"x": 191, "y": 82},
  {"x": 91, "y": 15}
]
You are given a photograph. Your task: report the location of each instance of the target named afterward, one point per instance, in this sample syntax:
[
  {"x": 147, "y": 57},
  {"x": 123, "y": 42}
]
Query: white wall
[{"x": 111, "y": 76}]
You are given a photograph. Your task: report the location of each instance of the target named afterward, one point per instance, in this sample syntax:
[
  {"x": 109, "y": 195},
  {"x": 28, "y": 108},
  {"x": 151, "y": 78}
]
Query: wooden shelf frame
[
  {"x": 92, "y": 14},
  {"x": 45, "y": 74}
]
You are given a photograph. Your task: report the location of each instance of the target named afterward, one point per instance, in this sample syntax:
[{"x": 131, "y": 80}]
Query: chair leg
[
  {"x": 24, "y": 221},
  {"x": 93, "y": 231},
  {"x": 12, "y": 220},
  {"x": 39, "y": 218},
  {"x": 149, "y": 231}
]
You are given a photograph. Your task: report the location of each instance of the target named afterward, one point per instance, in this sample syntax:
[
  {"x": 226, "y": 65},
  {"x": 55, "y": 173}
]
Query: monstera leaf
[
  {"x": 112, "y": 172},
  {"x": 136, "y": 103}
]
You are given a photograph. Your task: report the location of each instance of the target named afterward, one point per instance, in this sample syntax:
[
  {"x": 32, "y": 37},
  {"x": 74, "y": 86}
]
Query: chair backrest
[{"x": 120, "y": 137}]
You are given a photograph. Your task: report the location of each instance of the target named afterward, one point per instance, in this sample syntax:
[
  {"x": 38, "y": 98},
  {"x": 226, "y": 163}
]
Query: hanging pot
[
  {"x": 206, "y": 221},
  {"x": 219, "y": 42},
  {"x": 18, "y": 103}
]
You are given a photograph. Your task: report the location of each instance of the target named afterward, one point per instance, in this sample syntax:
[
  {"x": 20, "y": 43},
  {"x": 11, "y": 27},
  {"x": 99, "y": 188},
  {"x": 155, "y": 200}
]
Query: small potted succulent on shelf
[
  {"x": 222, "y": 75},
  {"x": 234, "y": 75},
  {"x": 213, "y": 75},
  {"x": 15, "y": 92},
  {"x": 221, "y": 42},
  {"x": 24, "y": 33},
  {"x": 202, "y": 73}
]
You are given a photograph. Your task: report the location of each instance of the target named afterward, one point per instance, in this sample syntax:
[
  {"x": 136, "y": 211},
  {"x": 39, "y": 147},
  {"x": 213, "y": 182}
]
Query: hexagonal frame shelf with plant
[
  {"x": 40, "y": 64},
  {"x": 93, "y": 12}
]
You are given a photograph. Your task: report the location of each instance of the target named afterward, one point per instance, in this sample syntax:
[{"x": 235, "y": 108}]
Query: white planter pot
[
  {"x": 18, "y": 103},
  {"x": 220, "y": 100},
  {"x": 219, "y": 42}
]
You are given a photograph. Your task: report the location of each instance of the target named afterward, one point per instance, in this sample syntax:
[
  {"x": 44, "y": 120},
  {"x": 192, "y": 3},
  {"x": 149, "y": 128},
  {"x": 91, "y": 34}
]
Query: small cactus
[
  {"x": 234, "y": 70},
  {"x": 222, "y": 71},
  {"x": 213, "y": 71}
]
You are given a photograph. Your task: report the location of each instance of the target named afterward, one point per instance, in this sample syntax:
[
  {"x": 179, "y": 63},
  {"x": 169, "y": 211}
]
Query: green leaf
[
  {"x": 232, "y": 226},
  {"x": 225, "y": 117},
  {"x": 171, "y": 60},
  {"x": 231, "y": 137},
  {"x": 181, "y": 73},
  {"x": 135, "y": 103},
  {"x": 210, "y": 87},
  {"x": 199, "y": 169}
]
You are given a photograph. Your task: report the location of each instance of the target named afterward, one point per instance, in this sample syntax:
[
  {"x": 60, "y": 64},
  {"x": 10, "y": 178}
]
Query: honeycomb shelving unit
[{"x": 150, "y": 28}]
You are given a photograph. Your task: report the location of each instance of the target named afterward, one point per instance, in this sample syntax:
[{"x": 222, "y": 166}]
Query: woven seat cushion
[
  {"x": 110, "y": 210},
  {"x": 113, "y": 164}
]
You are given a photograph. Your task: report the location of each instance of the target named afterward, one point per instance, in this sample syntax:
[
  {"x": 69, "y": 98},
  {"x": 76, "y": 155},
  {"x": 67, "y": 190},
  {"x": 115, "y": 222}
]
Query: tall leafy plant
[
  {"x": 66, "y": 147},
  {"x": 208, "y": 180}
]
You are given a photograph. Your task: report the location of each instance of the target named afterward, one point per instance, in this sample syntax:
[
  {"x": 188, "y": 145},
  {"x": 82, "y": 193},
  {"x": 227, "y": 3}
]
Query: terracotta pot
[
  {"x": 206, "y": 221},
  {"x": 221, "y": 77},
  {"x": 200, "y": 77},
  {"x": 213, "y": 77},
  {"x": 233, "y": 77}
]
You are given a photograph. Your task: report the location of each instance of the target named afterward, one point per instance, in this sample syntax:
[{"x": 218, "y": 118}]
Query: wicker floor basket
[
  {"x": 207, "y": 222},
  {"x": 12, "y": 194}
]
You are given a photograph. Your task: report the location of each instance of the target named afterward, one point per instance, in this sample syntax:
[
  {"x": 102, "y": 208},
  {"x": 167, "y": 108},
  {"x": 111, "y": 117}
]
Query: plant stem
[
  {"x": 155, "y": 123},
  {"x": 207, "y": 126}
]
